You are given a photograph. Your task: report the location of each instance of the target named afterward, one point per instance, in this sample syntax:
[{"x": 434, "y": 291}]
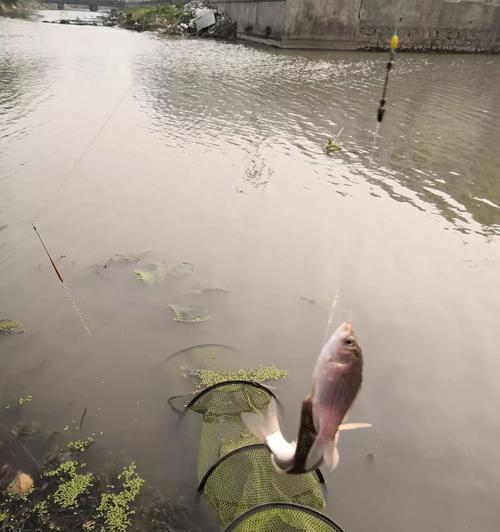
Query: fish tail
[
  {"x": 262, "y": 426},
  {"x": 267, "y": 430}
]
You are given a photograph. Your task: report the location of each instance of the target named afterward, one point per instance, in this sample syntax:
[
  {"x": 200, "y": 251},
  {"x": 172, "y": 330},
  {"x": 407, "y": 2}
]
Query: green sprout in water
[
  {"x": 332, "y": 147},
  {"x": 73, "y": 484},
  {"x": 114, "y": 508}
]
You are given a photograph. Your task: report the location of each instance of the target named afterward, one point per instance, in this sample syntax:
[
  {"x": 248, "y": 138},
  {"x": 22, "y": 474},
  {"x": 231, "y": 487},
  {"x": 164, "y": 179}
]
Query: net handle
[{"x": 287, "y": 505}]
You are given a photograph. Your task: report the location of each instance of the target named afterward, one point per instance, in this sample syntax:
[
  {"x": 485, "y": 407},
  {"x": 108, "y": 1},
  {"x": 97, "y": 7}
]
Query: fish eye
[{"x": 349, "y": 341}]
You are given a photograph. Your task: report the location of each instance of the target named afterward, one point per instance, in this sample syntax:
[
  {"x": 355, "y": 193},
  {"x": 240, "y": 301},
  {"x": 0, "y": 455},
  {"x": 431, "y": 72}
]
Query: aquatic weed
[
  {"x": 189, "y": 314},
  {"x": 10, "y": 327},
  {"x": 144, "y": 276},
  {"x": 73, "y": 484},
  {"x": 209, "y": 377},
  {"x": 24, "y": 399},
  {"x": 114, "y": 508},
  {"x": 332, "y": 147},
  {"x": 80, "y": 445}
]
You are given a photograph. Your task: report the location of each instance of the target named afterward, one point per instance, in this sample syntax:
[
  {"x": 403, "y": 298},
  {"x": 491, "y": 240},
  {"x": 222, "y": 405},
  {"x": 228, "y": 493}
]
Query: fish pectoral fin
[{"x": 354, "y": 426}]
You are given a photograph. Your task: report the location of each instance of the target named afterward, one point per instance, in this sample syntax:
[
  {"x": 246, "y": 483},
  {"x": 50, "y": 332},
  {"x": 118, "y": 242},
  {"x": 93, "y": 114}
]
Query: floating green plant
[
  {"x": 145, "y": 276},
  {"x": 189, "y": 314},
  {"x": 115, "y": 508},
  {"x": 209, "y": 377},
  {"x": 80, "y": 445},
  {"x": 155, "y": 273},
  {"x": 10, "y": 327},
  {"x": 72, "y": 485},
  {"x": 61, "y": 493},
  {"x": 24, "y": 400},
  {"x": 332, "y": 147}
]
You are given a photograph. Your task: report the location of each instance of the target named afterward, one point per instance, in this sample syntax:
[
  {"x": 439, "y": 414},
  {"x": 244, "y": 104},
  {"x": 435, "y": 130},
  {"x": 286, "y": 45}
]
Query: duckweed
[
  {"x": 115, "y": 508},
  {"x": 209, "y": 377},
  {"x": 80, "y": 445},
  {"x": 73, "y": 484}
]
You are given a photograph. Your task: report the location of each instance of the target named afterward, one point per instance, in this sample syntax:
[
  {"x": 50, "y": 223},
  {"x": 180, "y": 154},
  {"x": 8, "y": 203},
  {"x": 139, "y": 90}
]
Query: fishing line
[
  {"x": 84, "y": 152},
  {"x": 66, "y": 289},
  {"x": 56, "y": 192},
  {"x": 330, "y": 317}
]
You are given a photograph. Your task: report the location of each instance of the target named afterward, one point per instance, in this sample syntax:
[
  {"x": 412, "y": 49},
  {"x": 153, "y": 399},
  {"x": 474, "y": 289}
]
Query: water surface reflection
[{"x": 117, "y": 142}]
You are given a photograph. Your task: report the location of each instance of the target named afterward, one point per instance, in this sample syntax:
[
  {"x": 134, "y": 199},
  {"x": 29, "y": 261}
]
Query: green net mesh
[
  {"x": 222, "y": 429},
  {"x": 236, "y": 473},
  {"x": 246, "y": 478},
  {"x": 283, "y": 518}
]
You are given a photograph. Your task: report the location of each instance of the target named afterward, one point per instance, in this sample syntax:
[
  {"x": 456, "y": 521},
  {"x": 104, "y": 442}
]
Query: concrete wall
[
  {"x": 259, "y": 20},
  {"x": 455, "y": 25}
]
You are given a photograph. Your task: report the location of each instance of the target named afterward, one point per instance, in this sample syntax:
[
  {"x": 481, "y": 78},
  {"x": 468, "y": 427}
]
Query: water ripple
[{"x": 439, "y": 127}]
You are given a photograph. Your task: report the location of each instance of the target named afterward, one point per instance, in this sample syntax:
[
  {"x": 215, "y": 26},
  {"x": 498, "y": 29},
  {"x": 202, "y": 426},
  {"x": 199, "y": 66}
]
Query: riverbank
[
  {"x": 17, "y": 7},
  {"x": 166, "y": 19}
]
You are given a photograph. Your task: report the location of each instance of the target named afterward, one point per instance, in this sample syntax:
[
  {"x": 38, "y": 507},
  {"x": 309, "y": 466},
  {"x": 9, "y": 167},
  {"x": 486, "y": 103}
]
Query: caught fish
[{"x": 336, "y": 382}]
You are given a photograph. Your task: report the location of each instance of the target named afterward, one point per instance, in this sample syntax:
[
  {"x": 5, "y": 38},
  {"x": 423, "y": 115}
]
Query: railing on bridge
[{"x": 93, "y": 5}]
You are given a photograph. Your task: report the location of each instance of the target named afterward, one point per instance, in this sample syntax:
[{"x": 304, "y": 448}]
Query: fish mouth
[{"x": 347, "y": 328}]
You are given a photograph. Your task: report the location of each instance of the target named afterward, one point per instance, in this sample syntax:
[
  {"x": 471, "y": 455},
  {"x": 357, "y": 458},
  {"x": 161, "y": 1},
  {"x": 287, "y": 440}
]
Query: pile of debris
[
  {"x": 206, "y": 21},
  {"x": 194, "y": 18}
]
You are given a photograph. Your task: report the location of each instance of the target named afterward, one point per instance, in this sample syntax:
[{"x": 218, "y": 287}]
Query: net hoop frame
[
  {"x": 288, "y": 505},
  {"x": 245, "y": 448},
  {"x": 225, "y": 383}
]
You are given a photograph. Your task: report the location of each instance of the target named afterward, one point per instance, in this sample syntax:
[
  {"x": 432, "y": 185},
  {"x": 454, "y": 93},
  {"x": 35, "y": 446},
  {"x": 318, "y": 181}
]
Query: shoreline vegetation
[
  {"x": 46, "y": 483},
  {"x": 172, "y": 20},
  {"x": 165, "y": 18},
  {"x": 14, "y": 8}
]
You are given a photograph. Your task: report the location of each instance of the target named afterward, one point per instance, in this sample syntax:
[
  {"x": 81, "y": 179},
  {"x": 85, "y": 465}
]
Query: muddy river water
[{"x": 210, "y": 153}]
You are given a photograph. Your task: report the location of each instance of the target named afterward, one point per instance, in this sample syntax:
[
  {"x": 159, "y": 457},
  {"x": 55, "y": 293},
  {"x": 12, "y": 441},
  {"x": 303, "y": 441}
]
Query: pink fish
[{"x": 336, "y": 382}]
